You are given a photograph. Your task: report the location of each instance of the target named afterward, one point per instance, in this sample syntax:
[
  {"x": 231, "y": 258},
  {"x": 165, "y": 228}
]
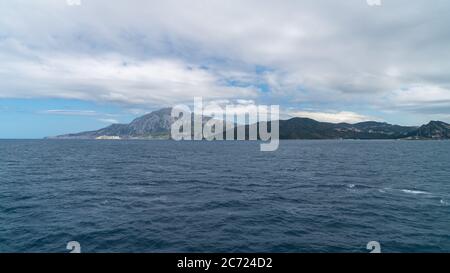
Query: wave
[
  {"x": 384, "y": 190},
  {"x": 415, "y": 192}
]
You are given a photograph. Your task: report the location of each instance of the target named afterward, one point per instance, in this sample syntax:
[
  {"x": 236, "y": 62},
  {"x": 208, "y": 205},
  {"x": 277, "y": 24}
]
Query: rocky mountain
[
  {"x": 432, "y": 130},
  {"x": 156, "y": 125}
]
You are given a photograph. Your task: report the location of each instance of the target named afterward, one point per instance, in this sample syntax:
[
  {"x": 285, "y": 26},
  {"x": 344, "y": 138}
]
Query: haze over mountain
[{"x": 156, "y": 125}]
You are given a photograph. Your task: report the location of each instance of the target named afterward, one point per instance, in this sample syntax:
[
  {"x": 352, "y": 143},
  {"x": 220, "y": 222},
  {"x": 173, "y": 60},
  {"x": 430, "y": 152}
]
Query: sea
[{"x": 224, "y": 196}]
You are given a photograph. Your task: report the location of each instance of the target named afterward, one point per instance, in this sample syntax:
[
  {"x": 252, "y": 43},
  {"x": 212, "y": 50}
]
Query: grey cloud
[{"x": 317, "y": 51}]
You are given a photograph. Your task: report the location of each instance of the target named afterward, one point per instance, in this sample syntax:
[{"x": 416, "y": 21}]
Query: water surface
[{"x": 166, "y": 196}]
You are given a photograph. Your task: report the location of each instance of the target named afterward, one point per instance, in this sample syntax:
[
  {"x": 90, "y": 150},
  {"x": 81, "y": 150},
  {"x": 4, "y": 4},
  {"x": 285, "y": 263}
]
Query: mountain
[
  {"x": 305, "y": 128},
  {"x": 432, "y": 130},
  {"x": 156, "y": 125}
]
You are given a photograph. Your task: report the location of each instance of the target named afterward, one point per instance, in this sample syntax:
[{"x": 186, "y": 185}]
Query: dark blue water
[{"x": 165, "y": 196}]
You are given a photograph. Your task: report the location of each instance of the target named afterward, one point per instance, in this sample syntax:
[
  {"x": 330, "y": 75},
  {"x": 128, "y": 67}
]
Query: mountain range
[{"x": 156, "y": 125}]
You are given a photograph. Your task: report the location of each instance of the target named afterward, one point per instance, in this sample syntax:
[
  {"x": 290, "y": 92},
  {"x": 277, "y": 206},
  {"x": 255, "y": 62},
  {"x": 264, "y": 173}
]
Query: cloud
[
  {"x": 113, "y": 78},
  {"x": 102, "y": 117},
  {"x": 316, "y": 52},
  {"x": 421, "y": 96},
  {"x": 334, "y": 117},
  {"x": 108, "y": 120},
  {"x": 71, "y": 112}
]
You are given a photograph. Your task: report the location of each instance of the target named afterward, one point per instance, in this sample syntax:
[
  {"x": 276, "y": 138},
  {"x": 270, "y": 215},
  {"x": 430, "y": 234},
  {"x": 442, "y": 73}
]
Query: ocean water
[{"x": 166, "y": 196}]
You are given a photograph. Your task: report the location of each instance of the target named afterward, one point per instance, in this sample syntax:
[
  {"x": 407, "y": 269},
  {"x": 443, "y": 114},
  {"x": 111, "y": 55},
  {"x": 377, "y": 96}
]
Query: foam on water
[{"x": 415, "y": 192}]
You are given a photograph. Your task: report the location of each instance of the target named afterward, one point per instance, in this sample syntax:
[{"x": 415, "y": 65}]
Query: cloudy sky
[{"x": 67, "y": 68}]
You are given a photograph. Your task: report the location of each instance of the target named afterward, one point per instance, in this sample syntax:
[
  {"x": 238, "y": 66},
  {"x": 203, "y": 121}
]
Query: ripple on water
[{"x": 165, "y": 196}]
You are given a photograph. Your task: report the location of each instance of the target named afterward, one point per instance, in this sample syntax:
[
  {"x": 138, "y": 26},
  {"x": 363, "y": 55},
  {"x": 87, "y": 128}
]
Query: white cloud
[
  {"x": 70, "y": 112},
  {"x": 239, "y": 111},
  {"x": 334, "y": 117},
  {"x": 421, "y": 95},
  {"x": 102, "y": 117},
  {"x": 112, "y": 78},
  {"x": 108, "y": 120}
]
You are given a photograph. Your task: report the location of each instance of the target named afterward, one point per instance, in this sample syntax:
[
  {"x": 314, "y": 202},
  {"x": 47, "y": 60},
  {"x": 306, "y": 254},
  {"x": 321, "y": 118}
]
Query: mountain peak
[
  {"x": 438, "y": 123},
  {"x": 433, "y": 130}
]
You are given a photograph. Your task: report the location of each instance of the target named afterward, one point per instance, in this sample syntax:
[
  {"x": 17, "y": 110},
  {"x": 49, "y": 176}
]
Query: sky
[{"x": 67, "y": 68}]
